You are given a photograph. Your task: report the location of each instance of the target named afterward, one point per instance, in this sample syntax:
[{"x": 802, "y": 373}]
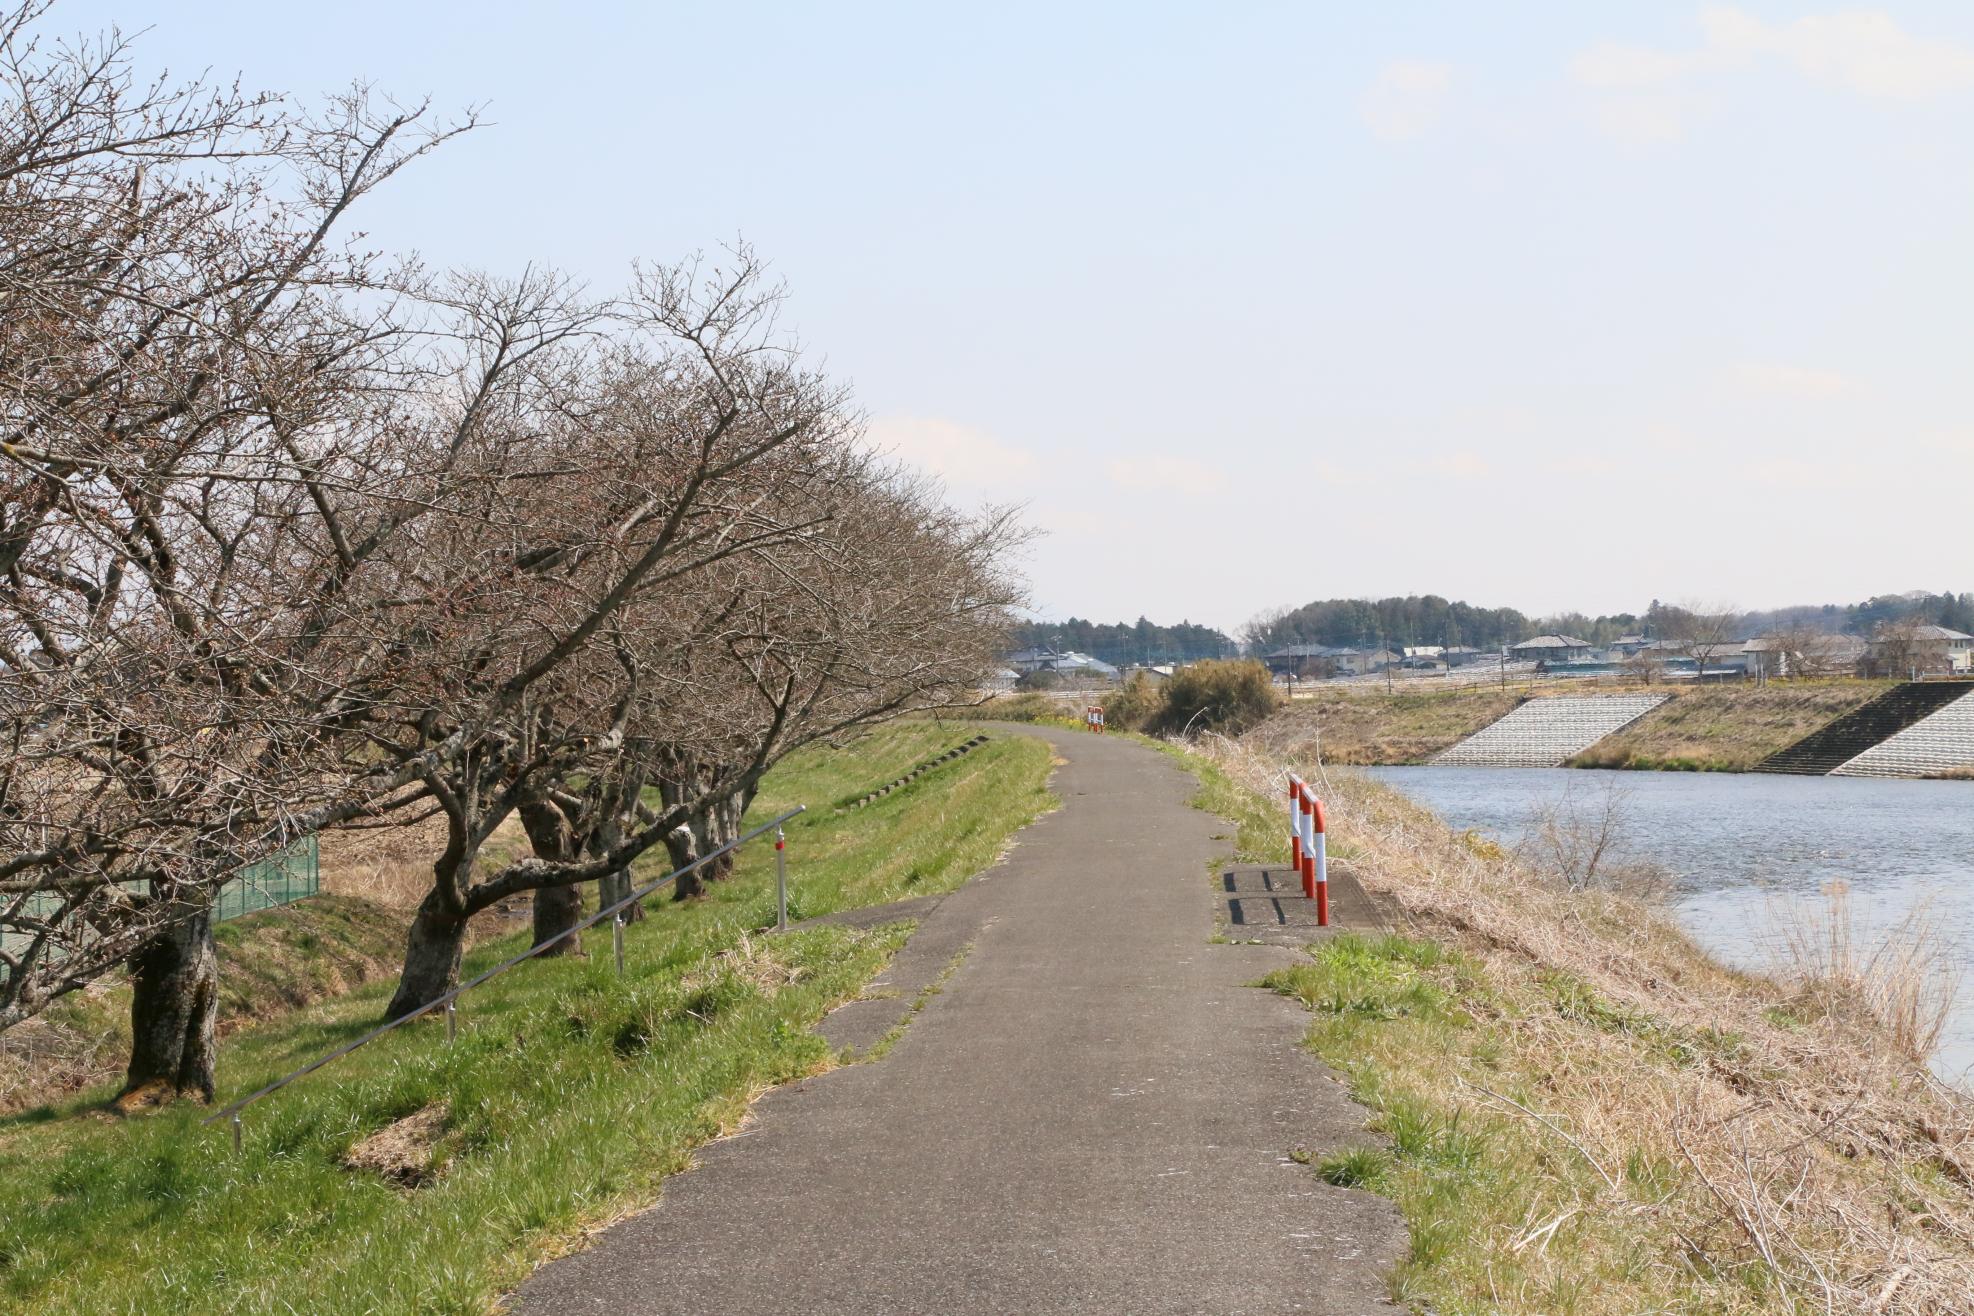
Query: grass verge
[{"x": 568, "y": 1097}]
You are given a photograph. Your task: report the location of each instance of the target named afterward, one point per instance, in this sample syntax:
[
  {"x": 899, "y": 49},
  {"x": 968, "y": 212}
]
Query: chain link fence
[{"x": 287, "y": 877}]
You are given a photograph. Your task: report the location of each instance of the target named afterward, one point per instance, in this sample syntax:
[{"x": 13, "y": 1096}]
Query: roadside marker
[
  {"x": 1309, "y": 846},
  {"x": 1295, "y": 823}
]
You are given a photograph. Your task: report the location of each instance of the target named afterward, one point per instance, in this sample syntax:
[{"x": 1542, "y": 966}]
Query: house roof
[
  {"x": 1553, "y": 642},
  {"x": 1940, "y": 633}
]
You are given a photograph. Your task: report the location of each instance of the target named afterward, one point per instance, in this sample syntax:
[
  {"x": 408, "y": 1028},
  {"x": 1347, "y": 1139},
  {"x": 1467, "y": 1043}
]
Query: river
[{"x": 1743, "y": 846}]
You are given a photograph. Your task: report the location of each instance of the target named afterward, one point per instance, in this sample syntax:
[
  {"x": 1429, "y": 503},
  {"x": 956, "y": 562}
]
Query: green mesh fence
[
  {"x": 287, "y": 877},
  {"x": 272, "y": 882}
]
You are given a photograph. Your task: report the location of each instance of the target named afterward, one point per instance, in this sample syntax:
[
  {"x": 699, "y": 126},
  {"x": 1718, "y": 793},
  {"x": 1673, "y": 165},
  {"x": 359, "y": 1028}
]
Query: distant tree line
[
  {"x": 1430, "y": 619},
  {"x": 1415, "y": 619},
  {"x": 1122, "y": 643}
]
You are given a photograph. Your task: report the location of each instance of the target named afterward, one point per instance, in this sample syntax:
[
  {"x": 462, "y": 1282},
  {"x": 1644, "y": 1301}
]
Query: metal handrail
[{"x": 232, "y": 1112}]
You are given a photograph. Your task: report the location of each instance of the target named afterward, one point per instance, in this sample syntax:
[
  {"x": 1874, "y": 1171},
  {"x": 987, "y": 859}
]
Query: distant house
[
  {"x": 1921, "y": 650},
  {"x": 1552, "y": 649},
  {"x": 1627, "y": 645},
  {"x": 1001, "y": 678},
  {"x": 1423, "y": 650},
  {"x": 1362, "y": 662},
  {"x": 1066, "y": 661},
  {"x": 1818, "y": 655},
  {"x": 1311, "y": 660},
  {"x": 1460, "y": 655},
  {"x": 1324, "y": 660}
]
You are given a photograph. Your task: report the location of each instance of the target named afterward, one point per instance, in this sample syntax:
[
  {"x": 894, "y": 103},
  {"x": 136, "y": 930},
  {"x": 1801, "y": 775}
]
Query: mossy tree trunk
[{"x": 174, "y": 1007}]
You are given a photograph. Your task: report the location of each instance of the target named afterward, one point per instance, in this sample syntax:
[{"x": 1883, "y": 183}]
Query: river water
[{"x": 1744, "y": 847}]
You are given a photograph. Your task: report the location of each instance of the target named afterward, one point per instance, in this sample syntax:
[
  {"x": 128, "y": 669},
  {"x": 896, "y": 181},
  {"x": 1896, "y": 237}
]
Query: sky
[{"x": 1552, "y": 306}]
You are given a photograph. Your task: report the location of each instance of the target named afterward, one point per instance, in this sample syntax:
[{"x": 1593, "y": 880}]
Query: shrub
[
  {"x": 1042, "y": 678},
  {"x": 1135, "y": 707},
  {"x": 1228, "y": 695}
]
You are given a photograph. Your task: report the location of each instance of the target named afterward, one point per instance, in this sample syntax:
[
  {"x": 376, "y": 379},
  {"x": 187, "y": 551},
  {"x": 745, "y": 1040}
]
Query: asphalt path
[{"x": 1096, "y": 1113}]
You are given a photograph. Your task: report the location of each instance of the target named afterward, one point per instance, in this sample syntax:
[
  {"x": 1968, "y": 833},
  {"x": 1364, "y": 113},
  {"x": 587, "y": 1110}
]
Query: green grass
[
  {"x": 1458, "y": 1175},
  {"x": 572, "y": 1091}
]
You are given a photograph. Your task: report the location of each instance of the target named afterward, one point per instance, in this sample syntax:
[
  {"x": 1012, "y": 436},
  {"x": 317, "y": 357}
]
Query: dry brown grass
[
  {"x": 1757, "y": 1146},
  {"x": 1906, "y": 979},
  {"x": 390, "y": 865},
  {"x": 1407, "y": 727},
  {"x": 1728, "y": 728}
]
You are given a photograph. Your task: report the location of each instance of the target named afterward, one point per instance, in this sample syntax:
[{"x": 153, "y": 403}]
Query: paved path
[{"x": 1095, "y": 1115}]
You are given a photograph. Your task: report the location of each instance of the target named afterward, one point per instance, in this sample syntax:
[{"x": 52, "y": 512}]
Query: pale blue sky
[{"x": 1545, "y": 305}]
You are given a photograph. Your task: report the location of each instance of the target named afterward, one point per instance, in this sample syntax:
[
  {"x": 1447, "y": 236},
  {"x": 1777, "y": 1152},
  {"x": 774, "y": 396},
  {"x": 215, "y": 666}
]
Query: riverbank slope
[
  {"x": 1584, "y": 1111},
  {"x": 1581, "y": 1111},
  {"x": 1715, "y": 728}
]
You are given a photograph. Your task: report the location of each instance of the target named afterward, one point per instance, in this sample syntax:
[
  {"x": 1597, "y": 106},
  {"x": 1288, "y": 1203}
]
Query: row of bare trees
[{"x": 297, "y": 538}]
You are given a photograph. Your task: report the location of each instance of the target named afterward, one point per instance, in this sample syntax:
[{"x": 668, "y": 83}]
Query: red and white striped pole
[
  {"x": 1316, "y": 872},
  {"x": 1295, "y": 823},
  {"x": 1305, "y": 826}
]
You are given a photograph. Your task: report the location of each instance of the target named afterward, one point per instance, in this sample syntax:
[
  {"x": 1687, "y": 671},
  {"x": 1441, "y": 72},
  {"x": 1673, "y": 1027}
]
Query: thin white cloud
[
  {"x": 965, "y": 458},
  {"x": 1648, "y": 92},
  {"x": 1794, "y": 381},
  {"x": 1407, "y": 98},
  {"x": 1156, "y": 473}
]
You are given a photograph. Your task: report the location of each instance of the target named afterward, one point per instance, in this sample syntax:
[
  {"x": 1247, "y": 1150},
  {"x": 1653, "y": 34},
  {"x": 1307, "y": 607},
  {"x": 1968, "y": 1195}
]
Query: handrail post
[
  {"x": 617, "y": 939},
  {"x": 236, "y": 1133},
  {"x": 452, "y": 1021},
  {"x": 781, "y": 882}
]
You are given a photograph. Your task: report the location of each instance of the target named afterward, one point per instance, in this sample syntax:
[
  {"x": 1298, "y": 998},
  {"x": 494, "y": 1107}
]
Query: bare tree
[
  {"x": 1702, "y": 631},
  {"x": 1898, "y": 647},
  {"x": 177, "y": 343}
]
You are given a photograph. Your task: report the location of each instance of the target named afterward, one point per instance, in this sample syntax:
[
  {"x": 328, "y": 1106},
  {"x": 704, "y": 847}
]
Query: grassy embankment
[
  {"x": 1580, "y": 1112},
  {"x": 570, "y": 1094},
  {"x": 269, "y": 963},
  {"x": 1348, "y": 727},
  {"x": 1716, "y": 728},
  {"x": 1728, "y": 728}
]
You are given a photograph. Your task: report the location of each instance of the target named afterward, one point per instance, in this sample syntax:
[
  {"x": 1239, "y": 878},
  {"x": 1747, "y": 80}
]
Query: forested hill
[
  {"x": 1125, "y": 642},
  {"x": 1419, "y": 619}
]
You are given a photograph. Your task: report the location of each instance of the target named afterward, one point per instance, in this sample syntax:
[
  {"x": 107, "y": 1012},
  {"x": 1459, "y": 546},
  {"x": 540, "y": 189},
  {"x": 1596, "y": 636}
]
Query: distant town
[{"x": 1911, "y": 636}]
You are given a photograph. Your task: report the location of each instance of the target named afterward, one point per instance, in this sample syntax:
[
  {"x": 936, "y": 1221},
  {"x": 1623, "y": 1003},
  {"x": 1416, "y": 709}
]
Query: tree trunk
[
  {"x": 431, "y": 957},
  {"x": 557, "y": 909},
  {"x": 614, "y": 886},
  {"x": 174, "y": 1005},
  {"x": 682, "y": 845}
]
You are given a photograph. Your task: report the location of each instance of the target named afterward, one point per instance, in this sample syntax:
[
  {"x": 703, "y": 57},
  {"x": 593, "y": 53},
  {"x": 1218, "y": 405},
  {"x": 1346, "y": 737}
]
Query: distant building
[
  {"x": 1921, "y": 650},
  {"x": 1309, "y": 660},
  {"x": 1066, "y": 661},
  {"x": 1460, "y": 655},
  {"x": 1552, "y": 649},
  {"x": 1627, "y": 645},
  {"x": 1318, "y": 661},
  {"x": 1363, "y": 662},
  {"x": 1817, "y": 655}
]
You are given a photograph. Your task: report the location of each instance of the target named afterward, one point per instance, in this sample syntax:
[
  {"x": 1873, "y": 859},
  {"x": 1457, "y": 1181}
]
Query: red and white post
[
  {"x": 1307, "y": 845},
  {"x": 1295, "y": 822},
  {"x": 1316, "y": 876}
]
